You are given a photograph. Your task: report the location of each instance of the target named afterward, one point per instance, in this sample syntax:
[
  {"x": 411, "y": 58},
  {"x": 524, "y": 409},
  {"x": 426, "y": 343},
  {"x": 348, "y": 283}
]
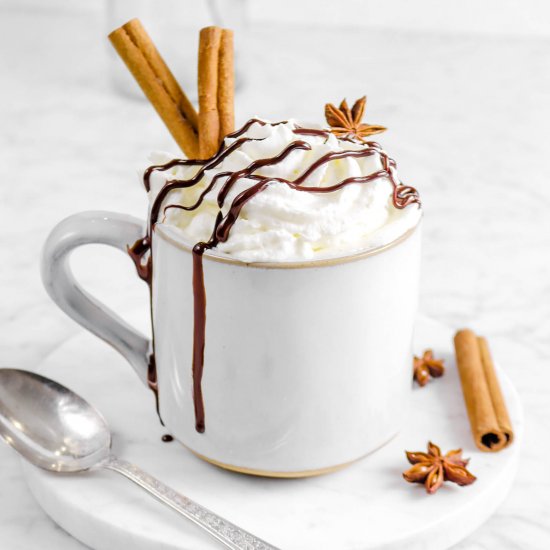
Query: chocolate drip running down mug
[{"x": 307, "y": 365}]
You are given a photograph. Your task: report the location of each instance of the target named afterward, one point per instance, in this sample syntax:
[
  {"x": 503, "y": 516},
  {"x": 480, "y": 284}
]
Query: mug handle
[{"x": 110, "y": 228}]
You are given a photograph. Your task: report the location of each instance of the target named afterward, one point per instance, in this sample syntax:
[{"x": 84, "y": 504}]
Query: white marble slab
[
  {"x": 366, "y": 506},
  {"x": 468, "y": 124}
]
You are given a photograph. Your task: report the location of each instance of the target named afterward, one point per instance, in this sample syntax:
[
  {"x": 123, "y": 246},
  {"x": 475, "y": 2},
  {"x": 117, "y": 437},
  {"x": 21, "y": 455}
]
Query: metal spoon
[{"x": 57, "y": 430}]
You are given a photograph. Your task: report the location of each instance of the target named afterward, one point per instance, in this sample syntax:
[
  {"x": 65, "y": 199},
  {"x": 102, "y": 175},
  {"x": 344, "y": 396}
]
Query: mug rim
[{"x": 161, "y": 232}]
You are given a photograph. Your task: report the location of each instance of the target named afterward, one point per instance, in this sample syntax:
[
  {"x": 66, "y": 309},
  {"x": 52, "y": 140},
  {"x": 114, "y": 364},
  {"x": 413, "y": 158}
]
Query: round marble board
[{"x": 367, "y": 505}]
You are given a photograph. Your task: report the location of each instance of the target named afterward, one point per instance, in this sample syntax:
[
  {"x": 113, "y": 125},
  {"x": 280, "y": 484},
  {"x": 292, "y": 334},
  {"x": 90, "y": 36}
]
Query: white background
[{"x": 464, "y": 88}]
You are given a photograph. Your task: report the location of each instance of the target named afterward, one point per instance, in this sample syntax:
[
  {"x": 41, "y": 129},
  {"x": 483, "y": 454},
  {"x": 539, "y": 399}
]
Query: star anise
[
  {"x": 346, "y": 122},
  {"x": 433, "y": 468},
  {"x": 427, "y": 366}
]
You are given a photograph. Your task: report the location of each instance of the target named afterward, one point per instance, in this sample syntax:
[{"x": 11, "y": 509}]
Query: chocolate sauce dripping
[
  {"x": 402, "y": 196},
  {"x": 199, "y": 334},
  {"x": 201, "y": 162},
  {"x": 199, "y": 292},
  {"x": 247, "y": 172},
  {"x": 163, "y": 167},
  {"x": 143, "y": 265},
  {"x": 172, "y": 185},
  {"x": 140, "y": 250},
  {"x": 140, "y": 254}
]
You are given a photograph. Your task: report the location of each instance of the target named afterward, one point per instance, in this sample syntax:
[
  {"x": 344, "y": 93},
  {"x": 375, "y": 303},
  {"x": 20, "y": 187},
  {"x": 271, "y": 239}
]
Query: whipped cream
[{"x": 281, "y": 223}]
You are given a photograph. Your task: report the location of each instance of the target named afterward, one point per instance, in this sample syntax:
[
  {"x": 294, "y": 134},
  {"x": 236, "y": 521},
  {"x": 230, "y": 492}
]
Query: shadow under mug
[{"x": 307, "y": 365}]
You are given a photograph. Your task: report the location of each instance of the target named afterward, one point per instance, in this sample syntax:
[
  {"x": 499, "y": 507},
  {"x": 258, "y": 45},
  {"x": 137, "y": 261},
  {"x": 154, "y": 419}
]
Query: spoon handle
[{"x": 222, "y": 530}]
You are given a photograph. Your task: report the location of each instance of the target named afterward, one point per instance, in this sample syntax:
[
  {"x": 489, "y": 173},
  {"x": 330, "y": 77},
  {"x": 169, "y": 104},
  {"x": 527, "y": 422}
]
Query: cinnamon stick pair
[
  {"x": 489, "y": 420},
  {"x": 199, "y": 136},
  {"x": 216, "y": 88}
]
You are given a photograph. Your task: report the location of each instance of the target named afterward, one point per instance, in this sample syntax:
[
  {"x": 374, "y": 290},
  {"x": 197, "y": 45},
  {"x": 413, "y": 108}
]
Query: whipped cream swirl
[{"x": 282, "y": 223}]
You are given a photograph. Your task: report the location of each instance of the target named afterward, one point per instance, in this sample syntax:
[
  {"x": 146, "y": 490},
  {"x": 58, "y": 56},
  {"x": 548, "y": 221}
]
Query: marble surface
[
  {"x": 468, "y": 125},
  {"x": 353, "y": 509}
]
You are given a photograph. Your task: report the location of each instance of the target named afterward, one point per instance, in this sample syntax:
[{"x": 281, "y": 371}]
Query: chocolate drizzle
[
  {"x": 142, "y": 260},
  {"x": 199, "y": 333},
  {"x": 140, "y": 252}
]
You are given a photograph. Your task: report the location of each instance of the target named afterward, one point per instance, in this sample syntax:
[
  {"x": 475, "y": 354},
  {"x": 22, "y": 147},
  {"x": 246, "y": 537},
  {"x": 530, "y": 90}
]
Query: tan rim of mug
[
  {"x": 288, "y": 474},
  {"x": 269, "y": 473},
  {"x": 161, "y": 232}
]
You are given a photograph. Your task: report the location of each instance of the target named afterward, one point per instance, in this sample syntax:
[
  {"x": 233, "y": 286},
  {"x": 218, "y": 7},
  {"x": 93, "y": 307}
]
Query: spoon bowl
[{"x": 52, "y": 427}]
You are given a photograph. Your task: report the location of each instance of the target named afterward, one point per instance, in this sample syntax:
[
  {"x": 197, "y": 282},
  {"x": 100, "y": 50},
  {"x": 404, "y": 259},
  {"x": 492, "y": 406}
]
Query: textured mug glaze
[{"x": 307, "y": 365}]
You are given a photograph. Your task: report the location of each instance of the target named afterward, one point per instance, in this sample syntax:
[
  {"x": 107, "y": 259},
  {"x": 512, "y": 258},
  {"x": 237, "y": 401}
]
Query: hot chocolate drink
[{"x": 275, "y": 192}]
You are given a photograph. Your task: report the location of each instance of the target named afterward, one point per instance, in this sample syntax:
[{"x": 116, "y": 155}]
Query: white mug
[{"x": 307, "y": 365}]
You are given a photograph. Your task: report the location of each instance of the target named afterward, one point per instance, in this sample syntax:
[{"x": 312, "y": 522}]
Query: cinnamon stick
[
  {"x": 142, "y": 58},
  {"x": 489, "y": 420},
  {"x": 209, "y": 121},
  {"x": 226, "y": 85}
]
